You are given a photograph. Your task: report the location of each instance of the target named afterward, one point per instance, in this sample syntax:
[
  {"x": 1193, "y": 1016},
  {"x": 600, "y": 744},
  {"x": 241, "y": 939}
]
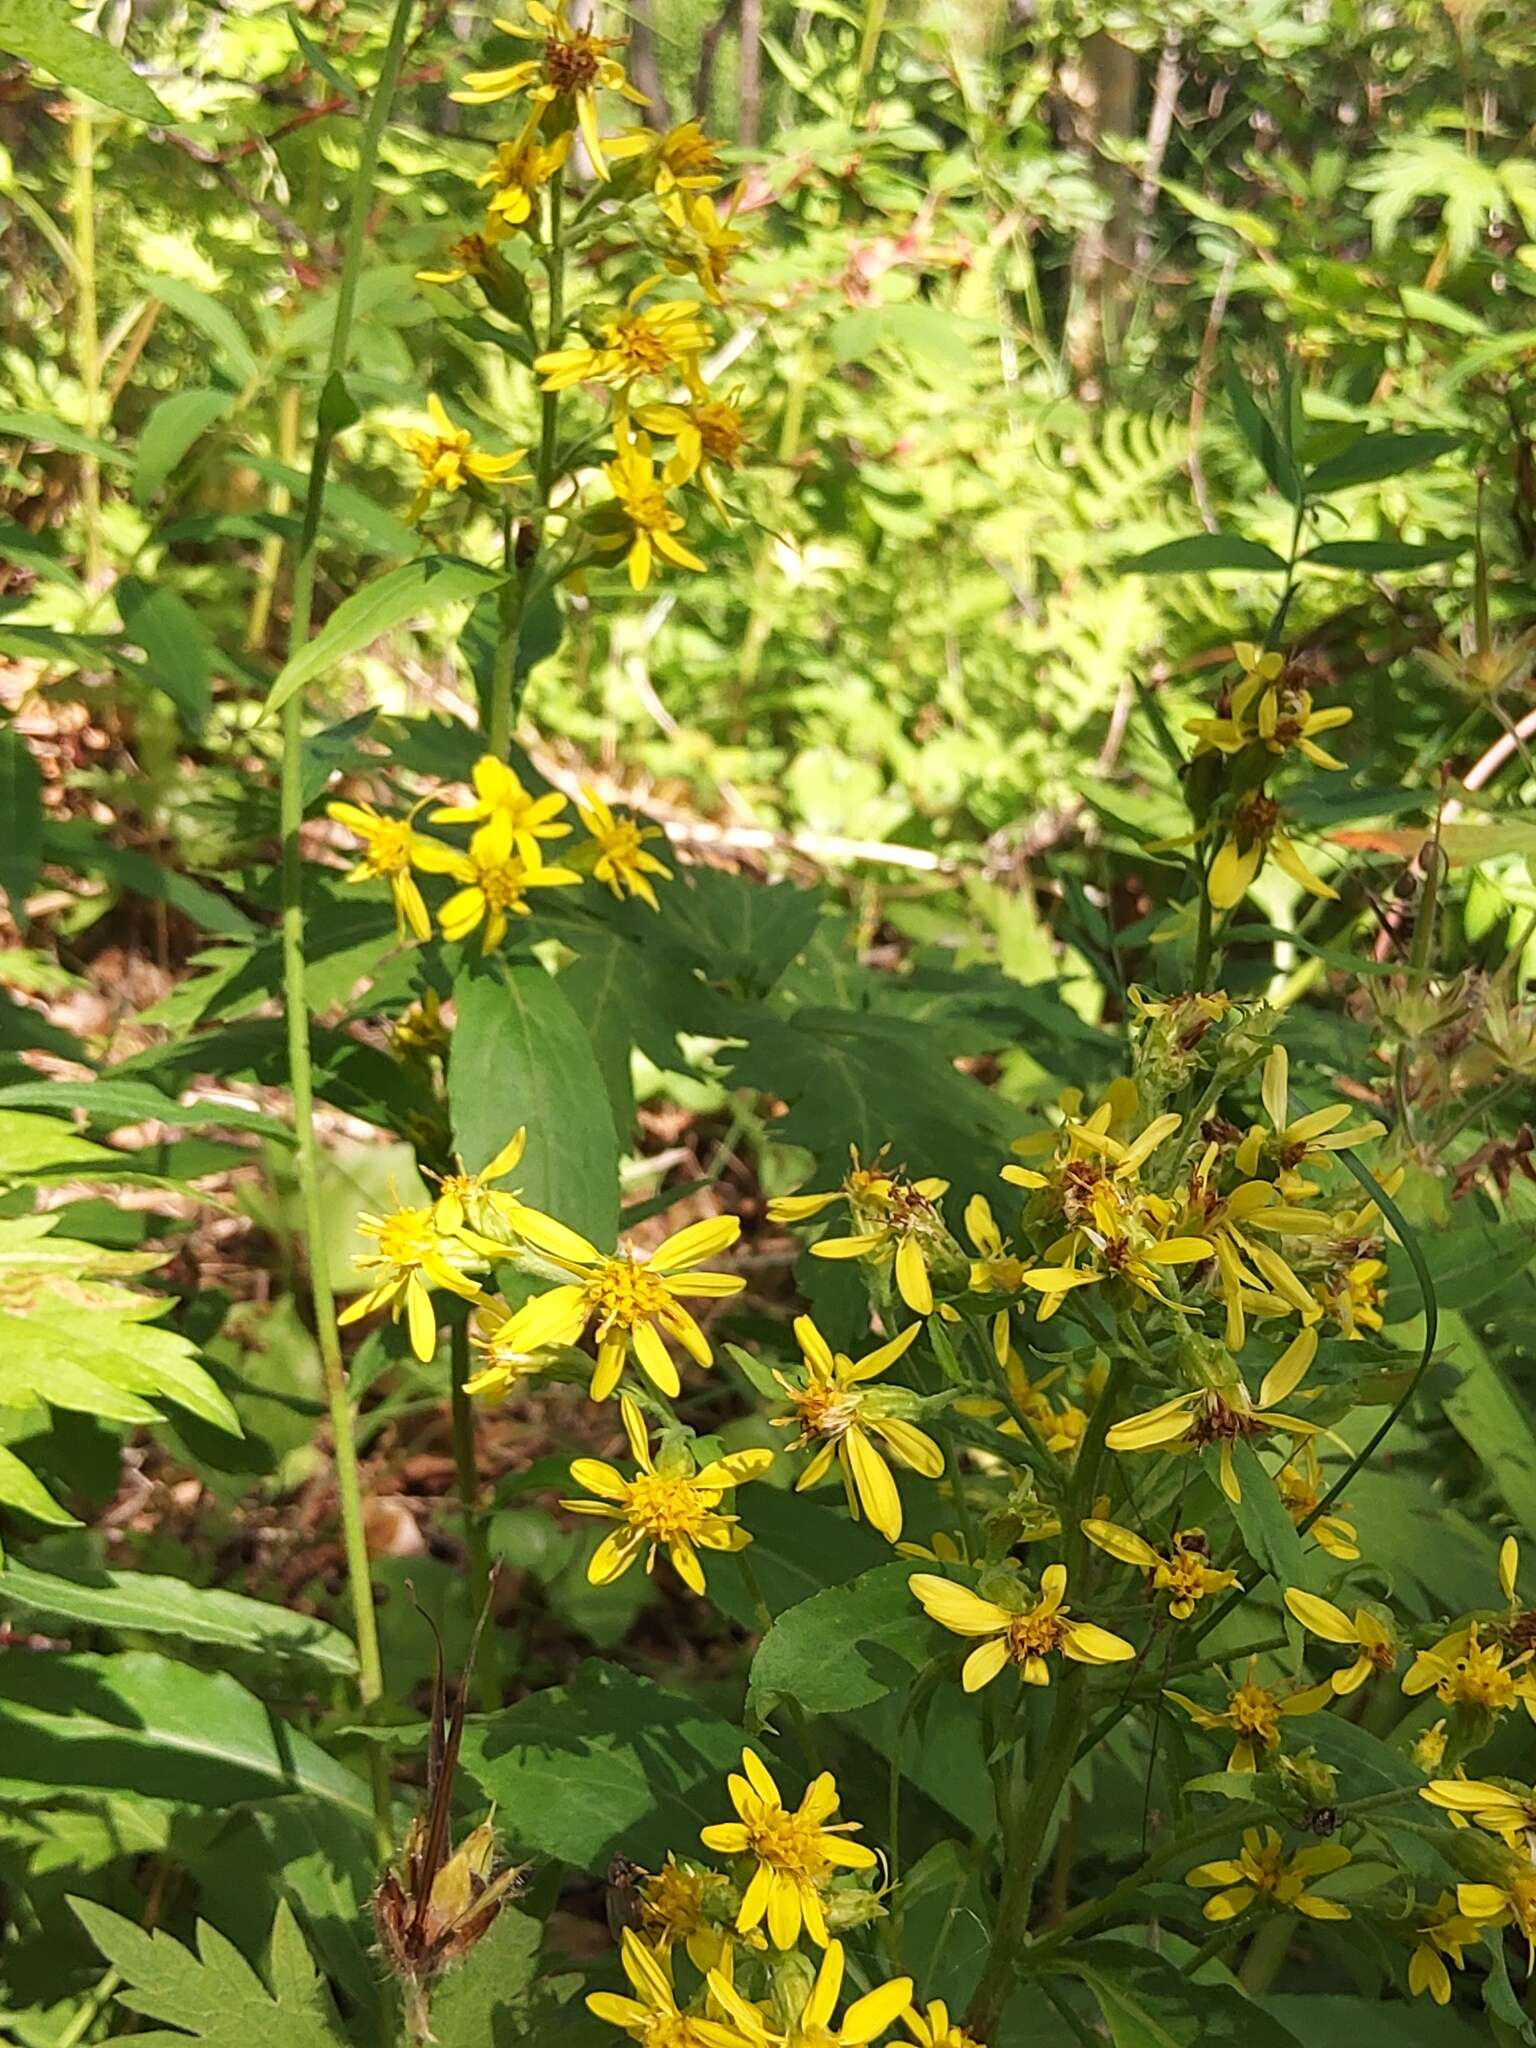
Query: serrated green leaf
[{"x": 846, "y": 1647}]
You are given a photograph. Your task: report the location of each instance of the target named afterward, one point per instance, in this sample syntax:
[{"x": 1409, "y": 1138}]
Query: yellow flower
[
  {"x": 933, "y": 2027},
  {"x": 1292, "y": 1143},
  {"x": 1466, "y": 1672},
  {"x": 1373, "y": 1640},
  {"x": 1264, "y": 1872},
  {"x": 1193, "y": 1422},
  {"x": 895, "y": 1222},
  {"x": 1428, "y": 1753},
  {"x": 816, "y": 2025},
  {"x": 504, "y": 1362},
  {"x": 1499, "y": 1905},
  {"x": 630, "y": 1297},
  {"x": 704, "y": 242},
  {"x": 572, "y": 68},
  {"x": 1253, "y": 1713},
  {"x": 1353, "y": 1295},
  {"x": 995, "y": 1269},
  {"x": 471, "y": 1201},
  {"x": 684, "y": 157},
  {"x": 852, "y": 1424},
  {"x": 795, "y": 1854},
  {"x": 1441, "y": 1932},
  {"x": 413, "y": 1257},
  {"x": 1026, "y": 1637},
  {"x": 1504, "y": 1810},
  {"x": 685, "y": 1903},
  {"x": 497, "y": 873},
  {"x": 1252, "y": 837},
  {"x": 1281, "y": 713},
  {"x": 499, "y": 793},
  {"x": 640, "y": 341},
  {"x": 448, "y": 458},
  {"x": 389, "y": 847},
  {"x": 710, "y": 433},
  {"x": 648, "y": 525},
  {"x": 1186, "y": 1573},
  {"x": 519, "y": 170},
  {"x": 669, "y": 1502},
  {"x": 617, "y": 849},
  {"x": 469, "y": 256},
  {"x": 1299, "y": 1483},
  {"x": 653, "y": 2016},
  {"x": 1250, "y": 1274}
]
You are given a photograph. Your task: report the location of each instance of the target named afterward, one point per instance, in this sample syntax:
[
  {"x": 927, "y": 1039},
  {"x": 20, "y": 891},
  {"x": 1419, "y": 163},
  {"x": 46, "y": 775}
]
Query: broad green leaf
[
  {"x": 1486, "y": 1410},
  {"x": 140, "y": 1722},
  {"x": 1201, "y": 552},
  {"x": 144, "y": 1603},
  {"x": 1467, "y": 1265},
  {"x": 800, "y": 1547},
  {"x": 846, "y": 1647},
  {"x": 521, "y": 1055},
  {"x": 212, "y": 319},
  {"x": 179, "y": 657},
  {"x": 112, "y": 1104},
  {"x": 1375, "y": 456},
  {"x": 1380, "y": 557},
  {"x": 605, "y": 986},
  {"x": 414, "y": 590},
  {"x": 1269, "y": 1535},
  {"x": 21, "y": 841},
  {"x": 47, "y": 34},
  {"x": 175, "y": 426},
  {"x": 1148, "y": 2003},
  {"x": 1330, "y": 2019},
  {"x": 491, "y": 1999},
  {"x": 214, "y": 1998}
]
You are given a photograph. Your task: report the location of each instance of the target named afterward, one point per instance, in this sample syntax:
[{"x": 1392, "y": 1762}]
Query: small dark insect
[
  {"x": 622, "y": 1897},
  {"x": 1322, "y": 1820},
  {"x": 437, "y": 1903}
]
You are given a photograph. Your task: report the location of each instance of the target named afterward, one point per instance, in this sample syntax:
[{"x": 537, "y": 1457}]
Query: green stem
[
  {"x": 477, "y": 1584},
  {"x": 295, "y": 1000},
  {"x": 82, "y": 202},
  {"x": 1266, "y": 1953}
]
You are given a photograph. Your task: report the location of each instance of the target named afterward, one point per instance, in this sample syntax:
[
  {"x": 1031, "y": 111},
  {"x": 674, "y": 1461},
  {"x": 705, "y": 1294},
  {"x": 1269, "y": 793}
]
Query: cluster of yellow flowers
[
  {"x": 650, "y": 340},
  {"x": 505, "y": 857},
  {"x": 795, "y": 1877}
]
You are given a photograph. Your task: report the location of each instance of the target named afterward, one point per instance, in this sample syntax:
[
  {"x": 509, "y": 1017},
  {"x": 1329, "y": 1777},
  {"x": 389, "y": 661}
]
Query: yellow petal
[
  {"x": 1320, "y": 1617},
  {"x": 984, "y": 1663},
  {"x": 957, "y": 1608}
]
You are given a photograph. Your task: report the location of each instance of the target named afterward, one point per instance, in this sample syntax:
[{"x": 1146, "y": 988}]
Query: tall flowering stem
[{"x": 295, "y": 999}]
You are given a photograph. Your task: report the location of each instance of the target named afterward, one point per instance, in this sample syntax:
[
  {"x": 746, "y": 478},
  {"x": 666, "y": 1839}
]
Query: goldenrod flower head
[
  {"x": 1270, "y": 708},
  {"x": 639, "y": 341},
  {"x": 390, "y": 845},
  {"x": 1197, "y": 1421},
  {"x": 932, "y": 2027},
  {"x": 471, "y": 1201},
  {"x": 497, "y": 872},
  {"x": 448, "y": 459},
  {"x": 1373, "y": 1640},
  {"x": 669, "y": 1503},
  {"x": 1025, "y": 1636},
  {"x": 471, "y": 255},
  {"x": 1354, "y": 1295},
  {"x": 1290, "y": 1143},
  {"x": 1428, "y": 1753},
  {"x": 816, "y": 2024},
  {"x": 995, "y": 1269},
  {"x": 505, "y": 1363},
  {"x": 1264, "y": 1872},
  {"x": 896, "y": 1221},
  {"x": 848, "y": 1420},
  {"x": 518, "y": 171},
  {"x": 616, "y": 849},
  {"x": 1185, "y": 1573},
  {"x": 1254, "y": 836},
  {"x": 1250, "y": 1274},
  {"x": 1440, "y": 1934},
  {"x": 648, "y": 526},
  {"x": 420, "y": 1030},
  {"x": 710, "y": 432},
  {"x": 653, "y": 2016},
  {"x": 413, "y": 1257},
  {"x": 683, "y": 158},
  {"x": 633, "y": 1300},
  {"x": 573, "y": 66},
  {"x": 686, "y": 1903},
  {"x": 1299, "y": 1483},
  {"x": 704, "y": 241},
  {"x": 1253, "y": 1713},
  {"x": 500, "y": 794},
  {"x": 1512, "y": 1901},
  {"x": 795, "y": 1854},
  {"x": 1466, "y": 1672},
  {"x": 1508, "y": 1811}
]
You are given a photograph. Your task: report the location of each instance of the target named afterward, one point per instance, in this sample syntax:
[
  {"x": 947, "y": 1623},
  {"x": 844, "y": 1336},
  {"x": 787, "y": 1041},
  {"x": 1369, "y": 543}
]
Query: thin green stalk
[
  {"x": 295, "y": 999},
  {"x": 82, "y": 204},
  {"x": 476, "y": 1550}
]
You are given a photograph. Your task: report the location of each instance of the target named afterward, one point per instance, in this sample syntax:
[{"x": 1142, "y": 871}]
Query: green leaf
[
  {"x": 1147, "y": 2003},
  {"x": 214, "y": 1997},
  {"x": 844, "y": 1648},
  {"x": 212, "y": 319},
  {"x": 32, "y": 1144},
  {"x": 606, "y": 985},
  {"x": 799, "y": 1547},
  {"x": 21, "y": 842},
  {"x": 1329, "y": 2019},
  {"x": 110, "y": 1104},
  {"x": 1201, "y": 552},
  {"x": 1489, "y": 1414},
  {"x": 429, "y": 584},
  {"x": 485, "y": 2002},
  {"x": 1468, "y": 1265},
  {"x": 1260, "y": 435},
  {"x": 1375, "y": 456},
  {"x": 607, "y": 1762},
  {"x": 179, "y": 656},
  {"x": 142, "y": 1603},
  {"x": 46, "y": 33},
  {"x": 46, "y": 427},
  {"x": 22, "y": 1490},
  {"x": 174, "y": 426},
  {"x": 1269, "y": 1534},
  {"x": 1372, "y": 557},
  {"x": 140, "y": 1722},
  {"x": 521, "y": 1055}
]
